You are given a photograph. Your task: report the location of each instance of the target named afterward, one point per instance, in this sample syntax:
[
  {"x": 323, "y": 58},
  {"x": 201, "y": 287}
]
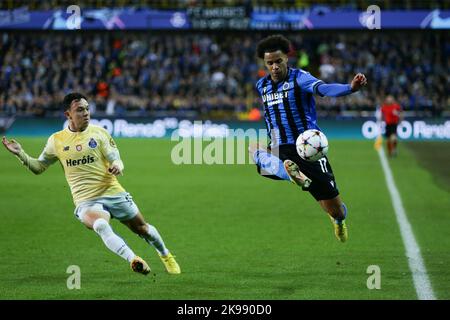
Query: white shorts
[{"x": 120, "y": 207}]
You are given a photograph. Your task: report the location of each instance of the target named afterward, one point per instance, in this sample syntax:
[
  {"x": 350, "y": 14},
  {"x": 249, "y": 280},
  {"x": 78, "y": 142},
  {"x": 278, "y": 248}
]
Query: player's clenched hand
[
  {"x": 358, "y": 81},
  {"x": 115, "y": 170},
  {"x": 12, "y": 146}
]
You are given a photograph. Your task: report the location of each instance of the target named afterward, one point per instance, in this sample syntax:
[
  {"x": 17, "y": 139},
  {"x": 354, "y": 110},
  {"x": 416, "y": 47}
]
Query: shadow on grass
[{"x": 433, "y": 156}]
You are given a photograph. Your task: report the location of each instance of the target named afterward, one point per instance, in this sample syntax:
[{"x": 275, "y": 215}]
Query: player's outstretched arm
[
  {"x": 339, "y": 90},
  {"x": 36, "y": 166},
  {"x": 12, "y": 146}
]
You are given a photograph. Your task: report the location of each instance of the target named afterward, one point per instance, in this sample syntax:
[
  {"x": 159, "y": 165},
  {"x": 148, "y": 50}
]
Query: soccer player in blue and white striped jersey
[{"x": 289, "y": 109}]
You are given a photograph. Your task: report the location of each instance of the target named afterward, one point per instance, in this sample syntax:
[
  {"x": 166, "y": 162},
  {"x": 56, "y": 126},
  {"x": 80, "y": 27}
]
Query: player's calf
[
  {"x": 269, "y": 166},
  {"x": 340, "y": 227},
  {"x": 337, "y": 211},
  {"x": 335, "y": 208},
  {"x": 112, "y": 241},
  {"x": 151, "y": 235}
]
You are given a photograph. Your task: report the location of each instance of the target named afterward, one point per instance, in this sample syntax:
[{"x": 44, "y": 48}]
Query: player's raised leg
[
  {"x": 151, "y": 235},
  {"x": 337, "y": 211},
  {"x": 268, "y": 165},
  {"x": 272, "y": 167},
  {"x": 99, "y": 222}
]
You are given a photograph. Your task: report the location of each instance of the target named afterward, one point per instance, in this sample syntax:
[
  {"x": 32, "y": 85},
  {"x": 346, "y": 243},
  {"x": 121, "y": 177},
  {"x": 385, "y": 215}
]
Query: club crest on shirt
[
  {"x": 286, "y": 86},
  {"x": 92, "y": 143},
  {"x": 79, "y": 147}
]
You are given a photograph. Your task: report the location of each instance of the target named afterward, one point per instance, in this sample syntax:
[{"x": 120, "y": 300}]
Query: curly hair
[{"x": 271, "y": 44}]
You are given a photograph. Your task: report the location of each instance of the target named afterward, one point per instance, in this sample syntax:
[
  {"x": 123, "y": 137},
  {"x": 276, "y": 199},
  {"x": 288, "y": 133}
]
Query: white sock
[
  {"x": 113, "y": 241},
  {"x": 154, "y": 238}
]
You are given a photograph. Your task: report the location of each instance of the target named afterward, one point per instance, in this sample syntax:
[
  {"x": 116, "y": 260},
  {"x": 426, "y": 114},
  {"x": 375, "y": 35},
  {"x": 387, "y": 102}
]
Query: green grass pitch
[{"x": 236, "y": 235}]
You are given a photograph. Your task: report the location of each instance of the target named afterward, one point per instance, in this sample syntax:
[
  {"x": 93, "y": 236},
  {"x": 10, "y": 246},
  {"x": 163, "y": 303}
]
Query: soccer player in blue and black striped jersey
[{"x": 289, "y": 109}]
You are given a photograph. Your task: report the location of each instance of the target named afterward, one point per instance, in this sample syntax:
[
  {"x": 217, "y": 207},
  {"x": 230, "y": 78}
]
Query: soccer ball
[{"x": 312, "y": 145}]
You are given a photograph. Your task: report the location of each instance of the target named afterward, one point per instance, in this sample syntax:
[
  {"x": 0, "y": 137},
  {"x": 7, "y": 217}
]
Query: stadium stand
[{"x": 213, "y": 75}]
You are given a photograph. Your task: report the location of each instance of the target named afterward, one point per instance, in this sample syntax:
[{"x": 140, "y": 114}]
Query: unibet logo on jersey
[{"x": 274, "y": 98}]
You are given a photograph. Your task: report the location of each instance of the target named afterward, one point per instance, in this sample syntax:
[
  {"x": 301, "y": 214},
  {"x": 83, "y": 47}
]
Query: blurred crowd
[
  {"x": 214, "y": 75},
  {"x": 412, "y": 67}
]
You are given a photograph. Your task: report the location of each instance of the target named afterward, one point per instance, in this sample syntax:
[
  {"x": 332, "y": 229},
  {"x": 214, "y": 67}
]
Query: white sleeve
[
  {"x": 110, "y": 151},
  {"x": 41, "y": 164},
  {"x": 48, "y": 155}
]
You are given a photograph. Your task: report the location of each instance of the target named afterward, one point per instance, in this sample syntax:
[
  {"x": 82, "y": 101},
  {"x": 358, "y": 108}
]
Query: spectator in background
[
  {"x": 303, "y": 60},
  {"x": 327, "y": 70},
  {"x": 192, "y": 72},
  {"x": 391, "y": 112},
  {"x": 254, "y": 115}
]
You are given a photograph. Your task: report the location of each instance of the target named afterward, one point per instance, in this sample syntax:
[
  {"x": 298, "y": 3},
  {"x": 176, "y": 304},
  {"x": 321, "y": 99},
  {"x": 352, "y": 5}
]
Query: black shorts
[
  {"x": 323, "y": 185},
  {"x": 390, "y": 130}
]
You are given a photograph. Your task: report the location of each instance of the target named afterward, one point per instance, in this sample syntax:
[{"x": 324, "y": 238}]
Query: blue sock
[
  {"x": 345, "y": 213},
  {"x": 271, "y": 164}
]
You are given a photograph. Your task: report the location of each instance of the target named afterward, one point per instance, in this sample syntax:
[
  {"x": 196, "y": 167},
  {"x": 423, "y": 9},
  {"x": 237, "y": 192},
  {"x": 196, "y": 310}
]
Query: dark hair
[
  {"x": 73, "y": 96},
  {"x": 271, "y": 44}
]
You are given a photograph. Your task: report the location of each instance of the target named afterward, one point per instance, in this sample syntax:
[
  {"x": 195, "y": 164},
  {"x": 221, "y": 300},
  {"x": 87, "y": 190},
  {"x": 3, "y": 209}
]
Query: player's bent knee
[
  {"x": 89, "y": 218},
  {"x": 100, "y": 225}
]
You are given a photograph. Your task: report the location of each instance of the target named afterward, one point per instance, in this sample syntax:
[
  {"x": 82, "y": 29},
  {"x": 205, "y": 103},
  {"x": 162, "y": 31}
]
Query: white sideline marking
[{"x": 416, "y": 265}]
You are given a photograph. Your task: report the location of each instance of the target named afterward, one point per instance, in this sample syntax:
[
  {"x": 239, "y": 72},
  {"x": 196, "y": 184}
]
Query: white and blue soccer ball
[{"x": 312, "y": 145}]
